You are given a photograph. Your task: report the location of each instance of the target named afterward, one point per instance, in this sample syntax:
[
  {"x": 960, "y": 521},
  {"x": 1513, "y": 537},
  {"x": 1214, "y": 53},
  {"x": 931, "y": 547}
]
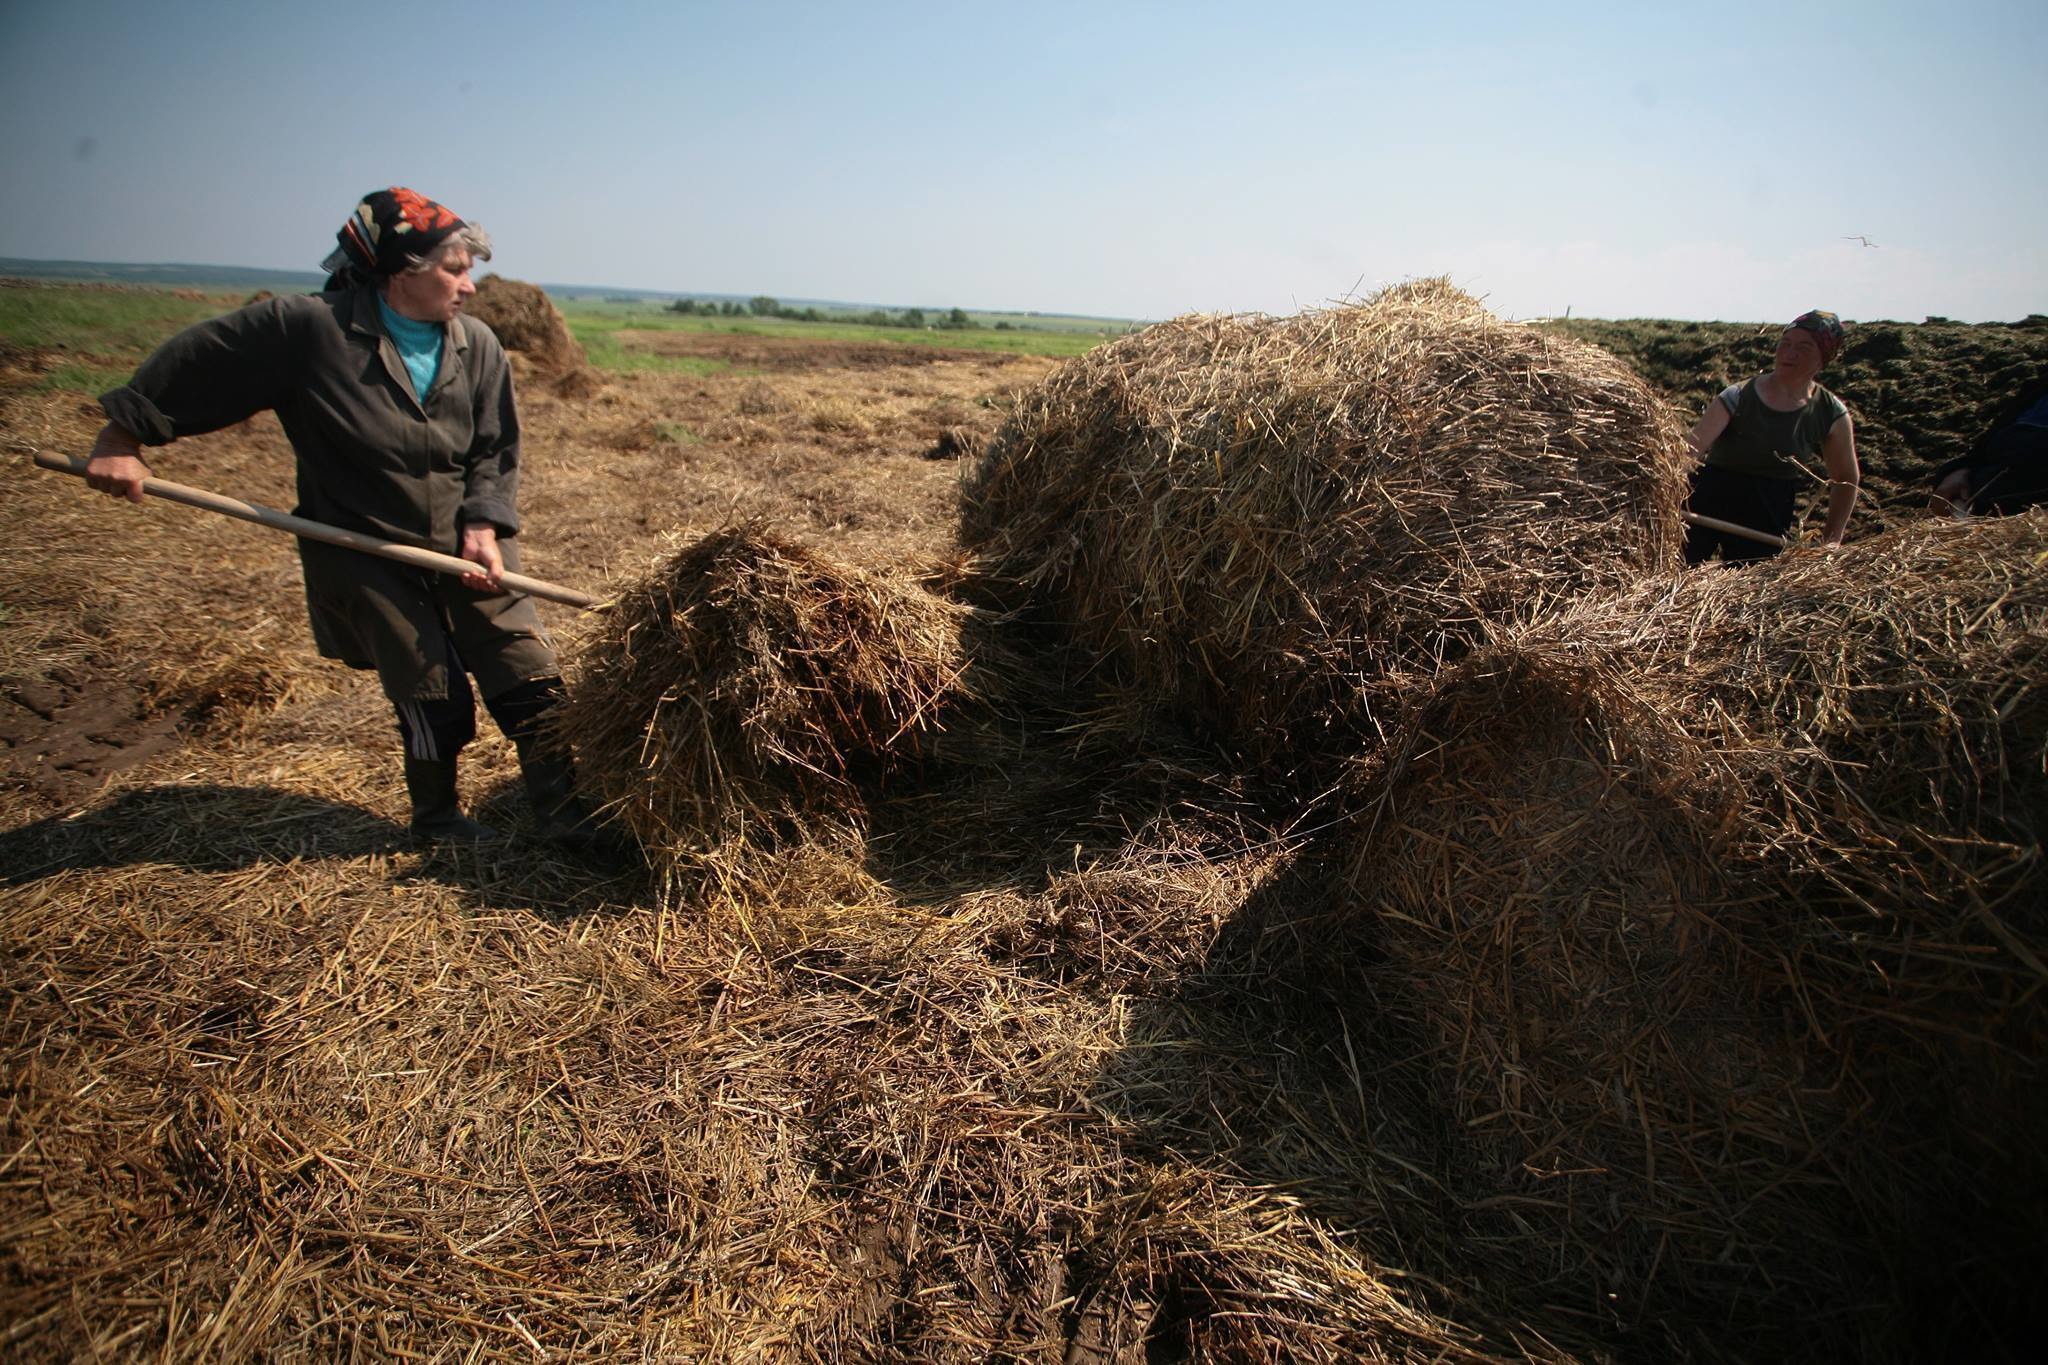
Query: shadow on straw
[{"x": 215, "y": 829}]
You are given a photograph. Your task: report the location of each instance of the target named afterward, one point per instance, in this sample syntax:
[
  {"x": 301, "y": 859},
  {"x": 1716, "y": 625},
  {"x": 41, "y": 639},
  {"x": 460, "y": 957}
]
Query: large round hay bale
[
  {"x": 1723, "y": 904},
  {"x": 1546, "y": 879},
  {"x": 528, "y": 325},
  {"x": 1264, "y": 521},
  {"x": 749, "y": 692}
]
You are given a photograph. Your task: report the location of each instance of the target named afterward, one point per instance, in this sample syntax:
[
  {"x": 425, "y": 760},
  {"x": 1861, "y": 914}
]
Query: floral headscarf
[
  {"x": 387, "y": 232},
  {"x": 1826, "y": 328}
]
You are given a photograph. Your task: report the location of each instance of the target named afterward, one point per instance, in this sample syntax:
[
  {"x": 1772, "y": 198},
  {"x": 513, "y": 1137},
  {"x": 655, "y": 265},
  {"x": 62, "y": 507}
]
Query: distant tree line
[
  {"x": 712, "y": 308},
  {"x": 762, "y": 306}
]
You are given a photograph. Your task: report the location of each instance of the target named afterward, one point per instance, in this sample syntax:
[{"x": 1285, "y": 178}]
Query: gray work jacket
[{"x": 372, "y": 457}]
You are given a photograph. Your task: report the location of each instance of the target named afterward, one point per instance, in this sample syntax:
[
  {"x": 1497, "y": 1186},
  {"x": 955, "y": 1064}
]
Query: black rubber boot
[
  {"x": 436, "y": 816},
  {"x": 560, "y": 813}
]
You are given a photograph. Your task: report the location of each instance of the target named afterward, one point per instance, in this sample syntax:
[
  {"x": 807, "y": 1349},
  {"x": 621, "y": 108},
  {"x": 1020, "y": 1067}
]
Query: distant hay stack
[
  {"x": 528, "y": 326},
  {"x": 1263, "y": 519},
  {"x": 749, "y": 693},
  {"x": 1723, "y": 903}
]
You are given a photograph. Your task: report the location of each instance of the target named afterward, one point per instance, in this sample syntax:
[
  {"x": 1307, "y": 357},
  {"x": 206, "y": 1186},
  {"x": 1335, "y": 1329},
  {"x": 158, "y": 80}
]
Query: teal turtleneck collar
[{"x": 419, "y": 346}]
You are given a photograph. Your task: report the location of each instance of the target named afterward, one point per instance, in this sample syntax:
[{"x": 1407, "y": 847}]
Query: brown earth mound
[{"x": 528, "y": 324}]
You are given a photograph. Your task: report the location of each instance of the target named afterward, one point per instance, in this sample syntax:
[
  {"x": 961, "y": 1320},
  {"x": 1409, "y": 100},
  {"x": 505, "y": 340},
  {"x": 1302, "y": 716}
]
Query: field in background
[
  {"x": 614, "y": 332},
  {"x": 97, "y": 336},
  {"x": 596, "y": 312},
  {"x": 1920, "y": 392}
]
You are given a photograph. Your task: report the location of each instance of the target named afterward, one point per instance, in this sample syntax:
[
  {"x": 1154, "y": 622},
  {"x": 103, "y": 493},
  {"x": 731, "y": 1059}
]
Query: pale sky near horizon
[{"x": 1118, "y": 159}]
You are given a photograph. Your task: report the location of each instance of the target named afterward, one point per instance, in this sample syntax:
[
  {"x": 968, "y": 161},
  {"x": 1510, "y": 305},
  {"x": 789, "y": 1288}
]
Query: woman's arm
[
  {"x": 1708, "y": 429},
  {"x": 211, "y": 375},
  {"x": 204, "y": 378},
  {"x": 1845, "y": 475},
  {"x": 490, "y": 480}
]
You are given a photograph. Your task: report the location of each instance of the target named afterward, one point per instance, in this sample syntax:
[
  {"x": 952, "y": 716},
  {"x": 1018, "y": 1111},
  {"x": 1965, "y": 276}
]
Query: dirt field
[{"x": 1063, "y": 1064}]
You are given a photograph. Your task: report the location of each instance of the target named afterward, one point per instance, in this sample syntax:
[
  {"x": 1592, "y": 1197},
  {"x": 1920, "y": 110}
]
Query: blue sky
[{"x": 1133, "y": 160}]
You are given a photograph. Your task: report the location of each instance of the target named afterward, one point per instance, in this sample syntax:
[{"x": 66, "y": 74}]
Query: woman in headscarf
[
  {"x": 1766, "y": 440},
  {"x": 400, "y": 411}
]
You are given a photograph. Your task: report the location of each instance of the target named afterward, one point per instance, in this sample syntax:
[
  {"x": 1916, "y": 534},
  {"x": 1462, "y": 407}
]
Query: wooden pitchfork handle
[
  {"x": 332, "y": 535},
  {"x": 1734, "y": 529}
]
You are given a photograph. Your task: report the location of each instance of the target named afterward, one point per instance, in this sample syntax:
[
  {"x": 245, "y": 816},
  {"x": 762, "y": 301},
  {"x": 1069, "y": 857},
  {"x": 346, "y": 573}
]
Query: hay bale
[
  {"x": 528, "y": 325},
  {"x": 750, "y": 693},
  {"x": 1264, "y": 521},
  {"x": 1723, "y": 903}
]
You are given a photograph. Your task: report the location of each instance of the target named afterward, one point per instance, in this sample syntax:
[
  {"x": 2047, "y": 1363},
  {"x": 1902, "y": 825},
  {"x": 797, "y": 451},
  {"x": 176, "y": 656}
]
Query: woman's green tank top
[{"x": 1762, "y": 441}]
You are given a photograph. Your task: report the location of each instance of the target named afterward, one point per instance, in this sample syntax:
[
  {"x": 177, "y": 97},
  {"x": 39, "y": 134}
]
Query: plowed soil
[{"x": 63, "y": 734}]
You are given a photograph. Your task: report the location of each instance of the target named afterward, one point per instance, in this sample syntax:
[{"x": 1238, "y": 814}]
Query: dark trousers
[
  {"x": 2010, "y": 471},
  {"x": 438, "y": 728},
  {"x": 1745, "y": 499}
]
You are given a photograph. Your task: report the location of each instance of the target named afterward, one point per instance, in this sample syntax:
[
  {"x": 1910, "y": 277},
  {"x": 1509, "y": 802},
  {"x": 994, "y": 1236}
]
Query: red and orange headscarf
[{"x": 387, "y": 232}]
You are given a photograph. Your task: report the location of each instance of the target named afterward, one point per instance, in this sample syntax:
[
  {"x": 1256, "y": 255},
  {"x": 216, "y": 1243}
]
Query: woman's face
[
  {"x": 435, "y": 294},
  {"x": 1799, "y": 351}
]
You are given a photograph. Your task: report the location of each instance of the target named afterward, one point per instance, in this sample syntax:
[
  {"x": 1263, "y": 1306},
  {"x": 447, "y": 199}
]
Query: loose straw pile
[
  {"x": 1723, "y": 906},
  {"x": 751, "y": 693},
  {"x": 1266, "y": 521}
]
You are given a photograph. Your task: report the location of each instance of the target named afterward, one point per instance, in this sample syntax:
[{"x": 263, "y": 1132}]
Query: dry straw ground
[{"x": 1017, "y": 1021}]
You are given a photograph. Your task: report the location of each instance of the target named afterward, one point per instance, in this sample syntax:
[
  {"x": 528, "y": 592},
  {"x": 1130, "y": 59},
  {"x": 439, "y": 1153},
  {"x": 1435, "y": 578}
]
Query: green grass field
[
  {"x": 110, "y": 330},
  {"x": 596, "y": 323},
  {"x": 607, "y": 350}
]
